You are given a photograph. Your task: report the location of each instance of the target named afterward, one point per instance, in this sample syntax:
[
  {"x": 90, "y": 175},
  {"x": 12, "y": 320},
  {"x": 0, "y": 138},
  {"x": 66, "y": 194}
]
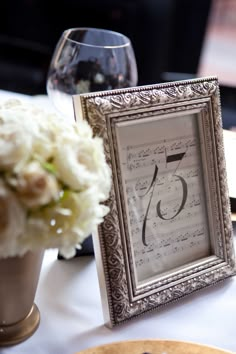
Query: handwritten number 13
[{"x": 169, "y": 159}]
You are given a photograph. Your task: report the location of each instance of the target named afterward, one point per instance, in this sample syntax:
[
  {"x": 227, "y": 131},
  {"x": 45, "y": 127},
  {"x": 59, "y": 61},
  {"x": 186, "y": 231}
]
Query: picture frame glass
[{"x": 163, "y": 194}]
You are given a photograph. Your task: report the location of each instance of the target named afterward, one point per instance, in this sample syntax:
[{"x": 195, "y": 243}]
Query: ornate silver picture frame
[{"x": 169, "y": 230}]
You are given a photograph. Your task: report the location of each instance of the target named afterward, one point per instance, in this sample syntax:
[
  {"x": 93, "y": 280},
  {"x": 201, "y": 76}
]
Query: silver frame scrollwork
[{"x": 120, "y": 300}]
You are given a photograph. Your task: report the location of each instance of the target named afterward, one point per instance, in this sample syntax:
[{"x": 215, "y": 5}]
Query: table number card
[
  {"x": 164, "y": 193},
  {"x": 169, "y": 229}
]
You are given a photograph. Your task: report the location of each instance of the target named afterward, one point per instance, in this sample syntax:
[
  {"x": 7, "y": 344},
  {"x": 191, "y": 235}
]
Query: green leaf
[
  {"x": 49, "y": 167},
  {"x": 65, "y": 194}
]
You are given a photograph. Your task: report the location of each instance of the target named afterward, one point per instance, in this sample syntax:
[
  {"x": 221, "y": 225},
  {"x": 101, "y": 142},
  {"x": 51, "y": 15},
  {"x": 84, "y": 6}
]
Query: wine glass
[{"x": 88, "y": 60}]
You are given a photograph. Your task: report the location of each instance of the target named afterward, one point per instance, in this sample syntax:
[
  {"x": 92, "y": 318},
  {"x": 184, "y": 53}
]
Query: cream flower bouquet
[{"x": 53, "y": 177}]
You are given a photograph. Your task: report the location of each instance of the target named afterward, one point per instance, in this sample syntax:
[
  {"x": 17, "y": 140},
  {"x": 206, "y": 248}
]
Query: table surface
[
  {"x": 71, "y": 314},
  {"x": 69, "y": 301}
]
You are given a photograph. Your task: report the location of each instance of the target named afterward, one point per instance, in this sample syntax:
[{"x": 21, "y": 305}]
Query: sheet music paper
[{"x": 164, "y": 193}]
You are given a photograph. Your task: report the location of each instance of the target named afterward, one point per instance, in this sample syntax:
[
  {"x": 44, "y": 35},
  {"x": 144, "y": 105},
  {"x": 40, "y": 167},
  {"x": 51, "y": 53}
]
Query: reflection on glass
[
  {"x": 88, "y": 60},
  {"x": 164, "y": 192}
]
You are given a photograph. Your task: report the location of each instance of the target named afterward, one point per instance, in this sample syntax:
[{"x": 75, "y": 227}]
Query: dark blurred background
[{"x": 172, "y": 39}]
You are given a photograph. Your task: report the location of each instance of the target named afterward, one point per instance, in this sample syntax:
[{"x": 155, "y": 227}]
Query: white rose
[
  {"x": 66, "y": 224},
  {"x": 49, "y": 126},
  {"x": 35, "y": 186},
  {"x": 21, "y": 122},
  {"x": 15, "y": 144},
  {"x": 51, "y": 163},
  {"x": 12, "y": 222},
  {"x": 80, "y": 163},
  {"x": 83, "y": 129}
]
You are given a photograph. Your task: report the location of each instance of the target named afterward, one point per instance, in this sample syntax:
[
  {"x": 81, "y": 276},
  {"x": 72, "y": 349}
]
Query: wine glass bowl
[{"x": 89, "y": 60}]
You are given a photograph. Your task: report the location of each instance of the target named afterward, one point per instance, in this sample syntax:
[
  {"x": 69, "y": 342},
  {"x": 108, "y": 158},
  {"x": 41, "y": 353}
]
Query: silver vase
[{"x": 19, "y": 316}]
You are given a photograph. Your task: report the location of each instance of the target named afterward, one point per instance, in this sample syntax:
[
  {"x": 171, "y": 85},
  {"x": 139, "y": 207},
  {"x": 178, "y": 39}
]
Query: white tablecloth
[{"x": 71, "y": 315}]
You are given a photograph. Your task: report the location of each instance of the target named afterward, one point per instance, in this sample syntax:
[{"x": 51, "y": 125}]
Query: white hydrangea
[{"x": 53, "y": 176}]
